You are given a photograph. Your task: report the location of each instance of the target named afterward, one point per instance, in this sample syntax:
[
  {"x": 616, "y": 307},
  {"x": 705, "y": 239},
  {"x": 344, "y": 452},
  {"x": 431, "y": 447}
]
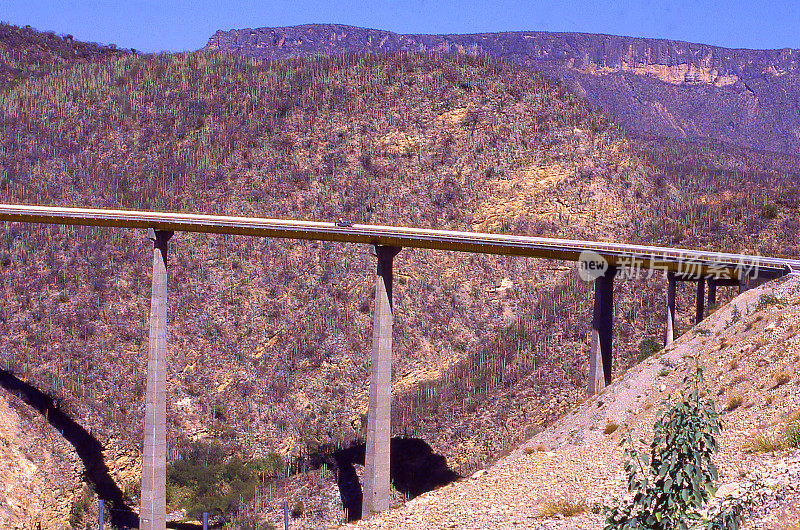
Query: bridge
[{"x": 599, "y": 262}]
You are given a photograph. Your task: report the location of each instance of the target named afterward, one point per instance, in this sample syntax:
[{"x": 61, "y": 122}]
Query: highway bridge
[{"x": 598, "y": 261}]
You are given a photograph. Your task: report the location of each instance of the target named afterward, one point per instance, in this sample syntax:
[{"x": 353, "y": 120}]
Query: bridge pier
[
  {"x": 701, "y": 298},
  {"x": 376, "y": 459},
  {"x": 153, "y": 513},
  {"x": 600, "y": 356},
  {"x": 712, "y": 290},
  {"x": 670, "y": 336}
]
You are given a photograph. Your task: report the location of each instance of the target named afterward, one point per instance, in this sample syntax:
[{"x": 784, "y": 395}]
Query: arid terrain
[
  {"x": 269, "y": 341},
  {"x": 579, "y": 458},
  {"x": 653, "y": 86}
]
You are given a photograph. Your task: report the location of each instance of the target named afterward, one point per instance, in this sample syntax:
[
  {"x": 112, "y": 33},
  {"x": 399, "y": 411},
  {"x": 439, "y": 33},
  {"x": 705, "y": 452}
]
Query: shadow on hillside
[
  {"x": 88, "y": 448},
  {"x": 415, "y": 469}
]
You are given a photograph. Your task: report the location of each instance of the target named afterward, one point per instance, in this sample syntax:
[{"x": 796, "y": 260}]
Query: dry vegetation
[{"x": 269, "y": 340}]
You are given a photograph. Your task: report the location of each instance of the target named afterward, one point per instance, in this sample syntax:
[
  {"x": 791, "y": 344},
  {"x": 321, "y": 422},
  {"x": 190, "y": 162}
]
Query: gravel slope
[{"x": 573, "y": 459}]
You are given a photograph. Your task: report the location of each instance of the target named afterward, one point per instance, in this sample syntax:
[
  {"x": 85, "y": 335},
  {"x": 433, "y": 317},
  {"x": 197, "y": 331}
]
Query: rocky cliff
[{"x": 672, "y": 88}]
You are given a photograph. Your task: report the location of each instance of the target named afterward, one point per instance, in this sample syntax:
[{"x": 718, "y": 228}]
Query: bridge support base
[
  {"x": 600, "y": 360},
  {"x": 153, "y": 513},
  {"x": 376, "y": 460}
]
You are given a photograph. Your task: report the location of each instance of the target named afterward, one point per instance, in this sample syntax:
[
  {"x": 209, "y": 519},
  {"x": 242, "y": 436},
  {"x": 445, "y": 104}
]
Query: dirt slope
[{"x": 574, "y": 459}]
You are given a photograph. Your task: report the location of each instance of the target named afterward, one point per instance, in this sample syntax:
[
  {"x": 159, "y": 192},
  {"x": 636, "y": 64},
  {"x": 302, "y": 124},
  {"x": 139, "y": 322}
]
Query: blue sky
[{"x": 150, "y": 26}]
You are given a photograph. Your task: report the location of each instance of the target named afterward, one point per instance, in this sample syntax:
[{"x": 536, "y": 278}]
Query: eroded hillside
[
  {"x": 751, "y": 352},
  {"x": 269, "y": 340}
]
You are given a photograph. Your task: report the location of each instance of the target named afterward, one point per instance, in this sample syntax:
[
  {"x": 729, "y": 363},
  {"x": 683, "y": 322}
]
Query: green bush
[
  {"x": 269, "y": 467},
  {"x": 736, "y": 316},
  {"x": 76, "y": 514},
  {"x": 767, "y": 300},
  {"x": 203, "y": 480},
  {"x": 672, "y": 484},
  {"x": 769, "y": 210},
  {"x": 648, "y": 347}
]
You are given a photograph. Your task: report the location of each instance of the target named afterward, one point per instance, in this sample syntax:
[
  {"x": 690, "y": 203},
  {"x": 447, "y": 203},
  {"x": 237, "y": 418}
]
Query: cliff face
[{"x": 749, "y": 97}]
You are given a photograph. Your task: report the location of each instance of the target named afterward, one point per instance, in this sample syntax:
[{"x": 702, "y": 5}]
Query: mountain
[{"x": 655, "y": 86}]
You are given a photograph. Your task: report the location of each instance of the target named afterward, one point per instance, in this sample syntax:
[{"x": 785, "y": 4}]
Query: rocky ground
[
  {"x": 36, "y": 479},
  {"x": 751, "y": 352}
]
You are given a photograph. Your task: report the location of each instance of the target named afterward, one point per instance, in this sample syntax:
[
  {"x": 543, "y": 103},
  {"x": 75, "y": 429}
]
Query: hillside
[
  {"x": 269, "y": 340},
  {"x": 751, "y": 370},
  {"x": 656, "y": 86},
  {"x": 25, "y": 52}
]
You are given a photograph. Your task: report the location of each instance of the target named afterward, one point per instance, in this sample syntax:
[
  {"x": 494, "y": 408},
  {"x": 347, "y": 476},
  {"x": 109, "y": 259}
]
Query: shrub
[
  {"x": 203, "y": 480},
  {"x": 671, "y": 484},
  {"x": 76, "y": 513},
  {"x": 297, "y": 509},
  {"x": 781, "y": 377},
  {"x": 769, "y": 210},
  {"x": 610, "y": 428},
  {"x": 269, "y": 467},
  {"x": 736, "y": 316},
  {"x": 767, "y": 300},
  {"x": 733, "y": 402},
  {"x": 793, "y": 430},
  {"x": 766, "y": 444},
  {"x": 648, "y": 347},
  {"x": 565, "y": 507}
]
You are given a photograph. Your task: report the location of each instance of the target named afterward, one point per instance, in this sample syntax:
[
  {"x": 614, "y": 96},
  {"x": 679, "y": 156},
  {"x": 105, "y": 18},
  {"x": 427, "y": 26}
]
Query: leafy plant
[
  {"x": 671, "y": 484},
  {"x": 767, "y": 300},
  {"x": 736, "y": 316}
]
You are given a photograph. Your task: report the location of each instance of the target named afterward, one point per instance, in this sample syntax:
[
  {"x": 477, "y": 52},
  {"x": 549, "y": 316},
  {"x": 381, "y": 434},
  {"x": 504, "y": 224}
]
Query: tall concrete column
[
  {"x": 712, "y": 291},
  {"x": 153, "y": 513},
  {"x": 701, "y": 298},
  {"x": 600, "y": 357},
  {"x": 670, "y": 309},
  {"x": 376, "y": 460}
]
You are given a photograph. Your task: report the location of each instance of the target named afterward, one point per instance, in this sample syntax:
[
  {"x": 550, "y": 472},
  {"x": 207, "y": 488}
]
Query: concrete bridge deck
[{"x": 681, "y": 261}]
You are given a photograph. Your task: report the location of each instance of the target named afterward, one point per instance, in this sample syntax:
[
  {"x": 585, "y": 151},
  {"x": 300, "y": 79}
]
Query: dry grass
[
  {"x": 538, "y": 449},
  {"x": 782, "y": 377},
  {"x": 766, "y": 444},
  {"x": 733, "y": 403},
  {"x": 567, "y": 507}
]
